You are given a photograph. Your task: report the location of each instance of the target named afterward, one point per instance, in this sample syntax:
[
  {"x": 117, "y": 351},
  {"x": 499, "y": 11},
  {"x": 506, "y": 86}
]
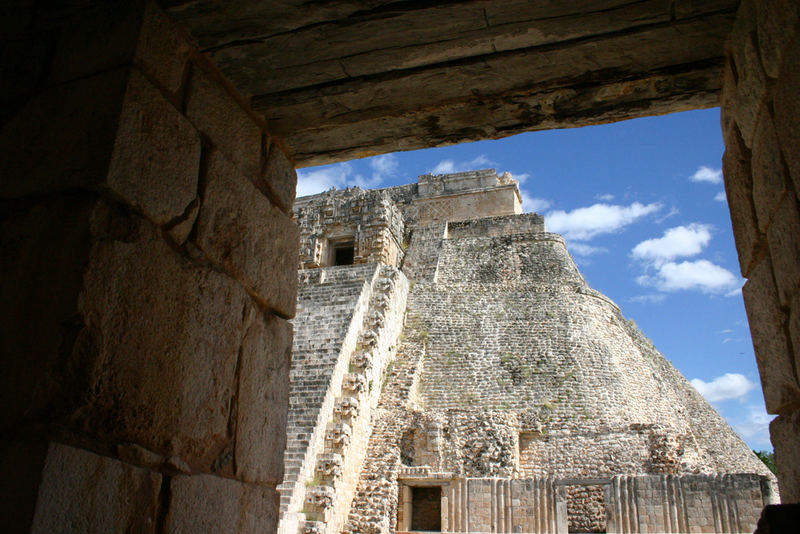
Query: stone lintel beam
[
  {"x": 679, "y": 89},
  {"x": 653, "y": 70},
  {"x": 354, "y": 78}
]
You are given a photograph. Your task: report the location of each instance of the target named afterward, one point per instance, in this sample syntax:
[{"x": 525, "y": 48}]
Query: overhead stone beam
[{"x": 352, "y": 78}]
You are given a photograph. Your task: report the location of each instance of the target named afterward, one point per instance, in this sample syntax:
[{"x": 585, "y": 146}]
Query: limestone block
[
  {"x": 263, "y": 400},
  {"x": 62, "y": 138},
  {"x": 161, "y": 50},
  {"x": 167, "y": 335},
  {"x": 219, "y": 116},
  {"x": 783, "y": 237},
  {"x": 156, "y": 158},
  {"x": 776, "y": 21},
  {"x": 751, "y": 83},
  {"x": 279, "y": 177},
  {"x": 769, "y": 340},
  {"x": 785, "y": 435},
  {"x": 241, "y": 231},
  {"x": 46, "y": 245},
  {"x": 786, "y": 101},
  {"x": 84, "y": 492},
  {"x": 739, "y": 191},
  {"x": 770, "y": 182},
  {"x": 206, "y": 503}
]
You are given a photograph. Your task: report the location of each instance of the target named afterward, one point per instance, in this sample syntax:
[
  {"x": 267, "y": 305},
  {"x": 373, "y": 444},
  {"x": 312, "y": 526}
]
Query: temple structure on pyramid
[{"x": 452, "y": 371}]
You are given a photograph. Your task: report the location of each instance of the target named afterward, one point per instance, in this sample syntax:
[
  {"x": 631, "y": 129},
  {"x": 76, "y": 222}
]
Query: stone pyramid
[{"x": 516, "y": 398}]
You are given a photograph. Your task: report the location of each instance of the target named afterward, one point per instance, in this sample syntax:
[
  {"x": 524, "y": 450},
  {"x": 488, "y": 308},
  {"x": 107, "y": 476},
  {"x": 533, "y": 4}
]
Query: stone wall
[
  {"x": 148, "y": 272},
  {"x": 760, "y": 118},
  {"x": 367, "y": 219}
]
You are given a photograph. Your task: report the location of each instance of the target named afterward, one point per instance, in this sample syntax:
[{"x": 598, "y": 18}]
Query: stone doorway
[
  {"x": 426, "y": 509},
  {"x": 420, "y": 508}
]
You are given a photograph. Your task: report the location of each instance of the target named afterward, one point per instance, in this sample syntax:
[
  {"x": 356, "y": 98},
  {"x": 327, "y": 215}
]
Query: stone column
[
  {"x": 761, "y": 126},
  {"x": 149, "y": 266}
]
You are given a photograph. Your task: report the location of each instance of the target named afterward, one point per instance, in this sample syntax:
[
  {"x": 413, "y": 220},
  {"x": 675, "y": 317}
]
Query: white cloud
[
  {"x": 582, "y": 249},
  {"x": 586, "y": 223},
  {"x": 533, "y": 204},
  {"x": 721, "y": 197},
  {"x": 754, "y": 426},
  {"x": 673, "y": 211},
  {"x": 676, "y": 242},
  {"x": 341, "y": 175},
  {"x": 447, "y": 166},
  {"x": 699, "y": 275},
  {"x": 651, "y": 298},
  {"x": 608, "y": 197},
  {"x": 726, "y": 387},
  {"x": 707, "y": 174}
]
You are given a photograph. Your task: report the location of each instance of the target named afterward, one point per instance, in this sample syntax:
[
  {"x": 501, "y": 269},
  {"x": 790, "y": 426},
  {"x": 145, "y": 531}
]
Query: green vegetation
[{"x": 769, "y": 460}]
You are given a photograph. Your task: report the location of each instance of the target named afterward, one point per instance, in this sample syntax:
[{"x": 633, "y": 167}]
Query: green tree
[{"x": 768, "y": 458}]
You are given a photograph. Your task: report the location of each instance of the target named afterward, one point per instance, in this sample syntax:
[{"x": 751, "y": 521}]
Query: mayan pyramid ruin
[{"x": 452, "y": 371}]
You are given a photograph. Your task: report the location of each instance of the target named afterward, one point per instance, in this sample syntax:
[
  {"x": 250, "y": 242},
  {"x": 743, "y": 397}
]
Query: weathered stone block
[
  {"x": 162, "y": 50},
  {"x": 279, "y": 177},
  {"x": 783, "y": 237},
  {"x": 219, "y": 116},
  {"x": 167, "y": 335},
  {"x": 63, "y": 138},
  {"x": 738, "y": 188},
  {"x": 84, "y": 492},
  {"x": 240, "y": 230},
  {"x": 751, "y": 80},
  {"x": 776, "y": 21},
  {"x": 770, "y": 182},
  {"x": 786, "y": 101},
  {"x": 785, "y": 435},
  {"x": 207, "y": 503},
  {"x": 767, "y": 323},
  {"x": 156, "y": 158},
  {"x": 263, "y": 400}
]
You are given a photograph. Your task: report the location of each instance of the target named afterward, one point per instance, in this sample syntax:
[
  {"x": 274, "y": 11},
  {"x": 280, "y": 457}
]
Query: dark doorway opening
[
  {"x": 344, "y": 254},
  {"x": 426, "y": 509}
]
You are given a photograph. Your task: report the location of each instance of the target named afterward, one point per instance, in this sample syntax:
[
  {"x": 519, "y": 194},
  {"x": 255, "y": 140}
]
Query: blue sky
[{"x": 642, "y": 206}]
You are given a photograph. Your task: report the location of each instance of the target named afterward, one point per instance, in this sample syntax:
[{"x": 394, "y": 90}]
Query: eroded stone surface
[
  {"x": 156, "y": 157},
  {"x": 262, "y": 400},
  {"x": 84, "y": 492},
  {"x": 207, "y": 503},
  {"x": 242, "y": 232},
  {"x": 767, "y": 322},
  {"x": 167, "y": 335},
  {"x": 785, "y": 433}
]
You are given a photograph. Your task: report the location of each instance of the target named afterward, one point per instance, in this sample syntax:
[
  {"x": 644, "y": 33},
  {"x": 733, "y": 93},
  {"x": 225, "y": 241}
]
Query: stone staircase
[{"x": 337, "y": 369}]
